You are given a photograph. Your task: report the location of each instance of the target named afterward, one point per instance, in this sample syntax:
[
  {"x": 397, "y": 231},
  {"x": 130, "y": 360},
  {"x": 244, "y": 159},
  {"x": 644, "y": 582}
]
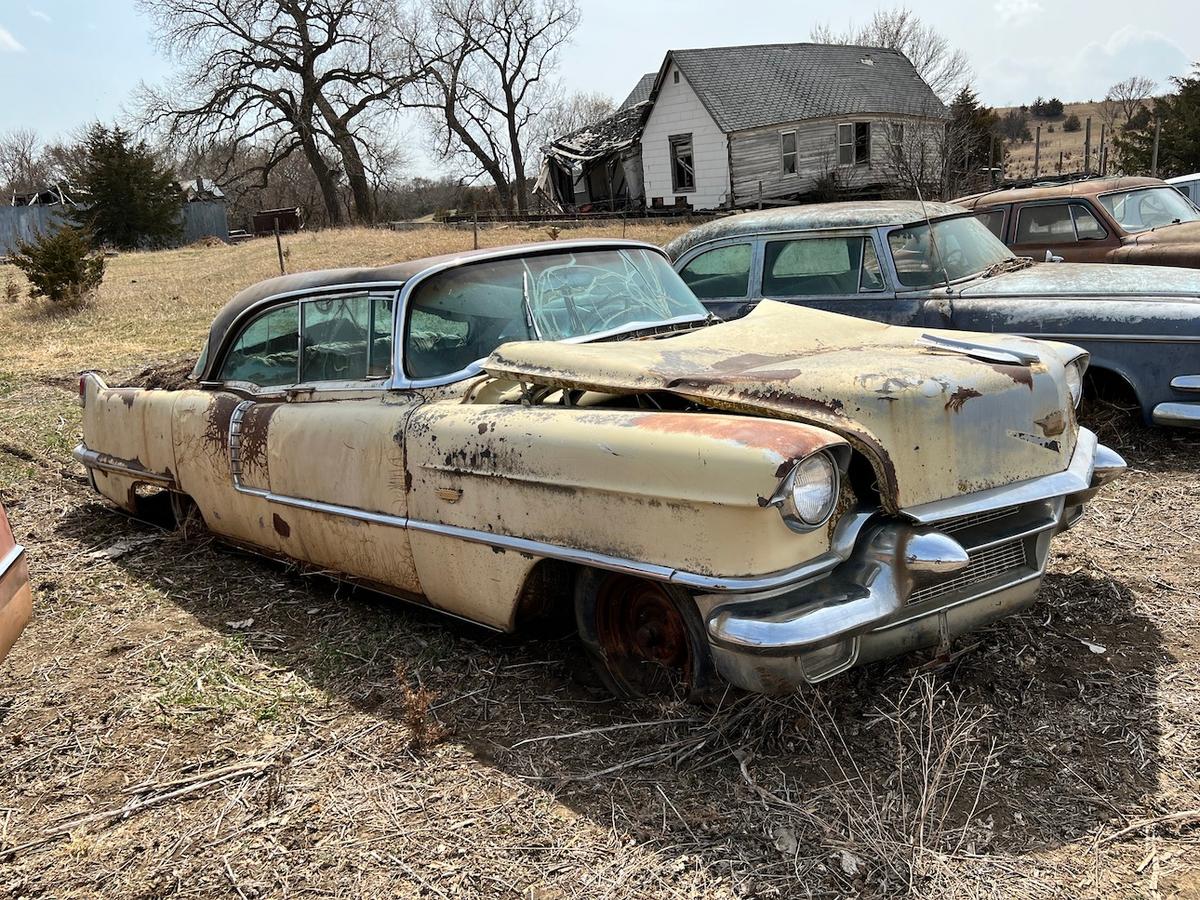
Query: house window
[
  {"x": 787, "y": 150},
  {"x": 683, "y": 169},
  {"x": 676, "y": 76},
  {"x": 854, "y": 144},
  {"x": 896, "y": 139}
]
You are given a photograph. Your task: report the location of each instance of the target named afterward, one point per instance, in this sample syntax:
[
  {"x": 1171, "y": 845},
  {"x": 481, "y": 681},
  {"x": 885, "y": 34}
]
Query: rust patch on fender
[
  {"x": 959, "y": 397},
  {"x": 216, "y": 425},
  {"x": 1052, "y": 425},
  {"x": 787, "y": 440},
  {"x": 282, "y": 528},
  {"x": 126, "y": 394},
  {"x": 1019, "y": 374},
  {"x": 255, "y": 426}
]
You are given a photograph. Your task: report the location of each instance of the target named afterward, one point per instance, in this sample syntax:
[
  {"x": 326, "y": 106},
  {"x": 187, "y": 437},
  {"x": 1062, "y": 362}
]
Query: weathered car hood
[
  {"x": 1183, "y": 233},
  {"x": 933, "y": 423},
  {"x": 1104, "y": 280}
]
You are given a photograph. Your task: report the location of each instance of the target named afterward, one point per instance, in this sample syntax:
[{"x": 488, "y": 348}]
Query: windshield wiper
[{"x": 530, "y": 323}]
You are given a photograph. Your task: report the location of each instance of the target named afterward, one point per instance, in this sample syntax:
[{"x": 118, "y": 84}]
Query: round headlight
[
  {"x": 1074, "y": 375},
  {"x": 814, "y": 489}
]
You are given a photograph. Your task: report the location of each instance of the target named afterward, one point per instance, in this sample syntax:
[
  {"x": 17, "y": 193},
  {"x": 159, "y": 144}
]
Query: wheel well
[
  {"x": 546, "y": 605},
  {"x": 1109, "y": 387}
]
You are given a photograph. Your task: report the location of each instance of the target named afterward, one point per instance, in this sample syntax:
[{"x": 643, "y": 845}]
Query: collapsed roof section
[{"x": 618, "y": 131}]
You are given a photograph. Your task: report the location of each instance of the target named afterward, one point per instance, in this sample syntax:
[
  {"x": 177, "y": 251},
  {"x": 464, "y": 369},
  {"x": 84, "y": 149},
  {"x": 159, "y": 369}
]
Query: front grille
[
  {"x": 962, "y": 523},
  {"x": 985, "y": 564}
]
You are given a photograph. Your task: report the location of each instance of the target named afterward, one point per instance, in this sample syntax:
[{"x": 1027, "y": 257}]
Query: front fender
[{"x": 687, "y": 491}]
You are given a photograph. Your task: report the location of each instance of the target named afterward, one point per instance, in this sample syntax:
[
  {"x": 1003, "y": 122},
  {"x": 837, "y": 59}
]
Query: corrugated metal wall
[{"x": 204, "y": 218}]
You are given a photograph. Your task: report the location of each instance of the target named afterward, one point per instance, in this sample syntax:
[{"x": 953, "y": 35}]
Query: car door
[
  {"x": 16, "y": 600},
  {"x": 298, "y": 446},
  {"x": 837, "y": 272},
  {"x": 1069, "y": 229}
]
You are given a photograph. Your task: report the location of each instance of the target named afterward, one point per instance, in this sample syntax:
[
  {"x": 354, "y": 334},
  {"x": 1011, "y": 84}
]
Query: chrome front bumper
[
  {"x": 1184, "y": 414},
  {"x": 939, "y": 571}
]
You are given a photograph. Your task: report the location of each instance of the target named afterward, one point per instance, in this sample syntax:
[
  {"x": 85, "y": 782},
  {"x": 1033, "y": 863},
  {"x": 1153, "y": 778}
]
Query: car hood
[
  {"x": 1089, "y": 279},
  {"x": 1183, "y": 233},
  {"x": 934, "y": 423}
]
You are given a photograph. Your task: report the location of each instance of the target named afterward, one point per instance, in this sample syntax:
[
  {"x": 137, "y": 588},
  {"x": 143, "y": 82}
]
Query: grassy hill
[{"x": 1055, "y": 141}]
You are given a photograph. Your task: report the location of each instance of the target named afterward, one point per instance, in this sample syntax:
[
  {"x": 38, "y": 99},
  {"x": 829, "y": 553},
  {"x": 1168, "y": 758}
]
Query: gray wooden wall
[{"x": 204, "y": 218}]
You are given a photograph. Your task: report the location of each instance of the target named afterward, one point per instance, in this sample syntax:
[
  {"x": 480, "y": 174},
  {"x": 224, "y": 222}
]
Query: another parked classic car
[
  {"x": 1115, "y": 220},
  {"x": 775, "y": 499},
  {"x": 16, "y": 599},
  {"x": 879, "y": 260}
]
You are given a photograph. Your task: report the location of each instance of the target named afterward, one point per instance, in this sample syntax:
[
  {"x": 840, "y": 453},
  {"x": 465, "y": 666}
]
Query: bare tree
[
  {"x": 281, "y": 77},
  {"x": 570, "y": 112},
  {"x": 944, "y": 68},
  {"x": 488, "y": 67},
  {"x": 1125, "y": 98},
  {"x": 22, "y": 163}
]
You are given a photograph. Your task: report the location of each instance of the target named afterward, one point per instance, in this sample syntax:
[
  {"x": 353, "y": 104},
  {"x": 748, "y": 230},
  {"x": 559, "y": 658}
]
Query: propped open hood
[{"x": 934, "y": 422}]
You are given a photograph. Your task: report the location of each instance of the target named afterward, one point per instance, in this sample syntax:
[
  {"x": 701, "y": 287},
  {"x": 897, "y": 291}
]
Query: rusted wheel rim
[{"x": 643, "y": 635}]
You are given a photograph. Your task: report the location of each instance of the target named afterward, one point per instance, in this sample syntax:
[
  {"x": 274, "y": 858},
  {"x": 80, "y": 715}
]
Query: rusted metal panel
[
  {"x": 683, "y": 490},
  {"x": 905, "y": 405}
]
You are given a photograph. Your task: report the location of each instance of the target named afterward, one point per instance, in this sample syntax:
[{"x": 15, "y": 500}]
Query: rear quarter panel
[{"x": 16, "y": 597}]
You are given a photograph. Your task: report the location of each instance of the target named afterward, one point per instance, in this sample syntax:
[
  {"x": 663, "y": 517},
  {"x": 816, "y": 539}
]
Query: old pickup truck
[{"x": 505, "y": 433}]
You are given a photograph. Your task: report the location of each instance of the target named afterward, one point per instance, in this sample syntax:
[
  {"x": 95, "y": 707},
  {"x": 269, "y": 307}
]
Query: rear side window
[
  {"x": 994, "y": 220},
  {"x": 820, "y": 266},
  {"x": 1045, "y": 224},
  {"x": 266, "y": 352},
  {"x": 346, "y": 338},
  {"x": 720, "y": 272}
]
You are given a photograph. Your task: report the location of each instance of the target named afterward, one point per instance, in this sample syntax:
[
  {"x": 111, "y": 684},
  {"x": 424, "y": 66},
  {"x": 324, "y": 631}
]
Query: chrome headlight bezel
[
  {"x": 800, "y": 513},
  {"x": 1073, "y": 374}
]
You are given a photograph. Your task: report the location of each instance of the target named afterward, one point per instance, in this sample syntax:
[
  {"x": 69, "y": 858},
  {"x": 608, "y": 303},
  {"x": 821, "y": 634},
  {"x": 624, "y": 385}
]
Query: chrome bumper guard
[{"x": 944, "y": 569}]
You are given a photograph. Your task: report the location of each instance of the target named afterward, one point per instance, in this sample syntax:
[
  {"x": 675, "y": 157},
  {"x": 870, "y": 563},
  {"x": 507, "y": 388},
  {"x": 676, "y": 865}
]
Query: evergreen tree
[
  {"x": 969, "y": 136},
  {"x": 1179, "y": 139},
  {"x": 129, "y": 201}
]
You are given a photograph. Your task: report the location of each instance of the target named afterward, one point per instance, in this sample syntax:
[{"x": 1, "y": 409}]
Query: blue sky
[{"x": 66, "y": 62}]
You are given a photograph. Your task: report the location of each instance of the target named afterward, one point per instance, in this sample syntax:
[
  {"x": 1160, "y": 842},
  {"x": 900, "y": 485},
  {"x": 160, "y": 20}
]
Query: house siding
[
  {"x": 756, "y": 155},
  {"x": 678, "y": 110}
]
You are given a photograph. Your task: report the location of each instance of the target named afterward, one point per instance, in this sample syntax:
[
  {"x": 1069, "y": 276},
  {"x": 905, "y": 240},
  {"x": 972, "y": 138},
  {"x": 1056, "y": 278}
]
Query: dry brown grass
[
  {"x": 183, "y": 721},
  {"x": 1069, "y": 143},
  {"x": 158, "y": 305}
]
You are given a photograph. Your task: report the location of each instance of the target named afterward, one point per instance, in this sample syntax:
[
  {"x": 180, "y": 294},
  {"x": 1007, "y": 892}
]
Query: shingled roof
[
  {"x": 765, "y": 84},
  {"x": 614, "y": 132},
  {"x": 641, "y": 90}
]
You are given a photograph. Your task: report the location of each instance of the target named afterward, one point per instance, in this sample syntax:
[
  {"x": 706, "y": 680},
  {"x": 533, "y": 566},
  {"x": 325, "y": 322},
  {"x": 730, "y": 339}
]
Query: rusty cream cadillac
[{"x": 503, "y": 434}]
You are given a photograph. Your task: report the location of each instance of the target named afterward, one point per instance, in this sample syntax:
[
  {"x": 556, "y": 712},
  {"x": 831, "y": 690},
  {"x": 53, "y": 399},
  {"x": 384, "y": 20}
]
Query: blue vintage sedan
[{"x": 937, "y": 266}]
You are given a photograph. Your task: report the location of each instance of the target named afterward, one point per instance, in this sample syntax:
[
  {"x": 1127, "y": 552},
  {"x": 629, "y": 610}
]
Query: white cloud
[
  {"x": 1018, "y": 12},
  {"x": 1086, "y": 73},
  {"x": 8, "y": 43},
  {"x": 38, "y": 14}
]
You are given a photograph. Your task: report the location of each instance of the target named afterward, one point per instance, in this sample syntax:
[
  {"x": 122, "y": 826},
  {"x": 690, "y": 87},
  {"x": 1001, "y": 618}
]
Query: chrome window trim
[
  {"x": 400, "y": 379},
  {"x": 10, "y": 559}
]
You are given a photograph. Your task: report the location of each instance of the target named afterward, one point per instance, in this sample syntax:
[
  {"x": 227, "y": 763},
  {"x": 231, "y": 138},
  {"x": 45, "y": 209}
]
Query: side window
[
  {"x": 379, "y": 359},
  {"x": 994, "y": 220},
  {"x": 683, "y": 167},
  {"x": 720, "y": 272},
  {"x": 820, "y": 266},
  {"x": 1045, "y": 224},
  {"x": 265, "y": 353},
  {"x": 871, "y": 278},
  {"x": 854, "y": 144},
  {"x": 1086, "y": 226},
  {"x": 336, "y": 338},
  {"x": 787, "y": 151}
]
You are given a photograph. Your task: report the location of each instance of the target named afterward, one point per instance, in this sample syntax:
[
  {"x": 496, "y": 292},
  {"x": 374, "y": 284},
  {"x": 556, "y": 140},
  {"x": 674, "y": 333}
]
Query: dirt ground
[{"x": 182, "y": 720}]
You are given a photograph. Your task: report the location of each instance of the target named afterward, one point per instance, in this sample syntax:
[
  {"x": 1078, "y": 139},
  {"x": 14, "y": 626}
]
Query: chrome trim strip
[
  {"x": 92, "y": 460},
  {"x": 992, "y": 353},
  {"x": 1131, "y": 338},
  {"x": 1076, "y": 477},
  {"x": 1186, "y": 383},
  {"x": 10, "y": 559},
  {"x": 1182, "y": 415}
]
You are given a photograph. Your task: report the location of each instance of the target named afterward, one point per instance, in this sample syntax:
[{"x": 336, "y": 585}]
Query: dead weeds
[{"x": 181, "y": 719}]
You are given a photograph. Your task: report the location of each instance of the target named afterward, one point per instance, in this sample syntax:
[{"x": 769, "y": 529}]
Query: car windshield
[
  {"x": 961, "y": 247},
  {"x": 461, "y": 315},
  {"x": 1149, "y": 208}
]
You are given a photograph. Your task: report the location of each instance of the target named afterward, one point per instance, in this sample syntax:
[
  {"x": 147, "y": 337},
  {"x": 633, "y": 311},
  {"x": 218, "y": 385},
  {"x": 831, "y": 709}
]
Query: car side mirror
[{"x": 1050, "y": 257}]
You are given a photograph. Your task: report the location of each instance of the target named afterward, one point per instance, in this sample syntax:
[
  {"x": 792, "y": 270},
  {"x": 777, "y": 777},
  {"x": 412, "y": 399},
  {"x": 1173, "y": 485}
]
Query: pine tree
[
  {"x": 129, "y": 201},
  {"x": 1179, "y": 138}
]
